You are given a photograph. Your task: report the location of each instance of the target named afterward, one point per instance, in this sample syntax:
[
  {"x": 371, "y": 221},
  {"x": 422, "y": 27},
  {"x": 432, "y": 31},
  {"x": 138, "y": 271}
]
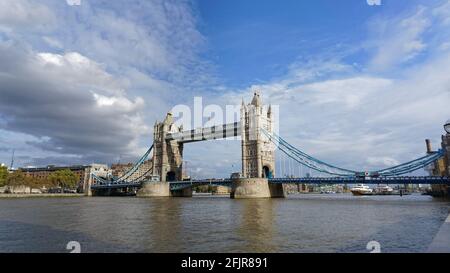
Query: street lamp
[{"x": 447, "y": 126}]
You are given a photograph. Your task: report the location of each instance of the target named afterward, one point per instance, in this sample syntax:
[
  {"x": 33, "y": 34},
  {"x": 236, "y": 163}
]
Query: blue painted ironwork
[
  {"x": 306, "y": 159},
  {"x": 122, "y": 180},
  {"x": 412, "y": 165},
  {"x": 324, "y": 167},
  {"x": 177, "y": 185},
  {"x": 365, "y": 180},
  {"x": 136, "y": 166},
  {"x": 391, "y": 175}
]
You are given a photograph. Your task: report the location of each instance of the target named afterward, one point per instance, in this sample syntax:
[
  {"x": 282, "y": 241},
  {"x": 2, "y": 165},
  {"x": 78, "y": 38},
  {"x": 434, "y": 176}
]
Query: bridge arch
[
  {"x": 267, "y": 171},
  {"x": 171, "y": 176}
]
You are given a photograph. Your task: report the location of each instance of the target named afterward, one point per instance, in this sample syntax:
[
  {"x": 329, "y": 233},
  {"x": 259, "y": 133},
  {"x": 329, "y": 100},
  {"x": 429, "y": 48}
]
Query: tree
[
  {"x": 3, "y": 175},
  {"x": 17, "y": 178},
  {"x": 65, "y": 179},
  {"x": 38, "y": 183}
]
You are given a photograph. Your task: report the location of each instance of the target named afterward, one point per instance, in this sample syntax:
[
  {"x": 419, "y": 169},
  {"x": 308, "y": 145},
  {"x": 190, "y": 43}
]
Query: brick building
[
  {"x": 143, "y": 171},
  {"x": 83, "y": 172}
]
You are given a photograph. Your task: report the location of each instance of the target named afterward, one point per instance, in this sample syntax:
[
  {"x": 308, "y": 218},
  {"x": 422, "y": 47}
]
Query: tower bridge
[{"x": 258, "y": 178}]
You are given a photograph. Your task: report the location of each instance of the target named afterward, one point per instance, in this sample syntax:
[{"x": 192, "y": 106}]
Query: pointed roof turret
[
  {"x": 256, "y": 101},
  {"x": 168, "y": 119},
  {"x": 243, "y": 106}
]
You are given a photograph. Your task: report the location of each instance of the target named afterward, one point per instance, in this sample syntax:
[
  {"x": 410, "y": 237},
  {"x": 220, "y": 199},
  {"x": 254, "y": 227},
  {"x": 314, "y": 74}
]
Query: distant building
[
  {"x": 221, "y": 190},
  {"x": 144, "y": 170},
  {"x": 83, "y": 172}
]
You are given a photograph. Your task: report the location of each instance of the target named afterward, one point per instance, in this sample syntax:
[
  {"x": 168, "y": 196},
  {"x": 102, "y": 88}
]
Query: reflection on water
[
  {"x": 256, "y": 225},
  {"x": 300, "y": 223}
]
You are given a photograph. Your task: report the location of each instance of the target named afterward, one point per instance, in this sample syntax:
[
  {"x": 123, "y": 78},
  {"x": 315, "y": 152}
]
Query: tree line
[{"x": 65, "y": 179}]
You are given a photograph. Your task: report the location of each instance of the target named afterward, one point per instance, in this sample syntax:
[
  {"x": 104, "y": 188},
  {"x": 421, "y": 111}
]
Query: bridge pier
[
  {"x": 88, "y": 192},
  {"x": 154, "y": 189},
  {"x": 161, "y": 189},
  {"x": 276, "y": 190},
  {"x": 186, "y": 192},
  {"x": 242, "y": 188}
]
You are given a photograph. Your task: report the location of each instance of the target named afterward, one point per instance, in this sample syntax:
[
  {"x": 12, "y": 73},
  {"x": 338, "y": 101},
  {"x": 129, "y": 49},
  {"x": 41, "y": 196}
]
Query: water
[{"x": 300, "y": 223}]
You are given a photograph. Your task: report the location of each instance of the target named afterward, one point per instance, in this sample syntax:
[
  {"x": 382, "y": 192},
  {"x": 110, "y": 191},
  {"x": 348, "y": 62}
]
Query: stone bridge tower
[
  {"x": 258, "y": 152},
  {"x": 441, "y": 167},
  {"x": 167, "y": 154}
]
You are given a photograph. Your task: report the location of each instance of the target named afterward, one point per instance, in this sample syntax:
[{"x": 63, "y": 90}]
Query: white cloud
[
  {"x": 25, "y": 13},
  {"x": 348, "y": 92},
  {"x": 72, "y": 66},
  {"x": 52, "y": 42},
  {"x": 108, "y": 64},
  {"x": 360, "y": 120},
  {"x": 73, "y": 2},
  {"x": 51, "y": 97},
  {"x": 442, "y": 12},
  {"x": 159, "y": 38},
  {"x": 382, "y": 161},
  {"x": 109, "y": 57},
  {"x": 398, "y": 40}
]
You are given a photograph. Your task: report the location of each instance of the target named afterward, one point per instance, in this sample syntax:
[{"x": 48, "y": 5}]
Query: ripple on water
[{"x": 300, "y": 223}]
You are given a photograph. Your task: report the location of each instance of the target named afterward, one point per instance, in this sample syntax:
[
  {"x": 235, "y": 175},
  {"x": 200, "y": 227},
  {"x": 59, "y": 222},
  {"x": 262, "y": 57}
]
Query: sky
[{"x": 360, "y": 86}]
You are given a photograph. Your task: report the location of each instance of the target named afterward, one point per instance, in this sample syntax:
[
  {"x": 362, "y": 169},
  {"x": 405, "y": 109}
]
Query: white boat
[
  {"x": 361, "y": 189},
  {"x": 384, "y": 190}
]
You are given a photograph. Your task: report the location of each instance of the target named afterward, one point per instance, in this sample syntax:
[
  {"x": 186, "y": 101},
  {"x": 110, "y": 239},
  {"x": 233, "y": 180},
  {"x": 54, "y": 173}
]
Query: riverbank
[
  {"x": 441, "y": 242},
  {"x": 37, "y": 195}
]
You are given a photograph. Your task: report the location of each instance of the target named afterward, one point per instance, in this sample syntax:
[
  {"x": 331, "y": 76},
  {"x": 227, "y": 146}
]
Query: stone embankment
[{"x": 23, "y": 195}]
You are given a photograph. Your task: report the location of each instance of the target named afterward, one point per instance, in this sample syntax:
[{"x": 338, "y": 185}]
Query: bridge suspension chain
[
  {"x": 135, "y": 167},
  {"x": 130, "y": 172},
  {"x": 412, "y": 165},
  {"x": 306, "y": 159},
  {"x": 324, "y": 167}
]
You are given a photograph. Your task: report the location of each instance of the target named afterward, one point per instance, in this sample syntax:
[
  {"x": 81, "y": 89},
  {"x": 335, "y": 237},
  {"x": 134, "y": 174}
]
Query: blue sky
[
  {"x": 261, "y": 40},
  {"x": 359, "y": 86}
]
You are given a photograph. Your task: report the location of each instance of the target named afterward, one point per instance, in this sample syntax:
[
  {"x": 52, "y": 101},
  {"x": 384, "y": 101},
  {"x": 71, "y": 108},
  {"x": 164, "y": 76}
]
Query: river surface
[{"x": 299, "y": 223}]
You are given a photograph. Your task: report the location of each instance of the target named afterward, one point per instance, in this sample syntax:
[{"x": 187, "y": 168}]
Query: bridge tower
[
  {"x": 446, "y": 147},
  {"x": 446, "y": 159},
  {"x": 167, "y": 161},
  {"x": 167, "y": 155},
  {"x": 442, "y": 166},
  {"x": 258, "y": 152}
]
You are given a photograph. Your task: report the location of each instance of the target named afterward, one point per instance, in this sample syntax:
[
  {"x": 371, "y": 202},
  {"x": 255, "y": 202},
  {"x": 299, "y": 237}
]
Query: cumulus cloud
[
  {"x": 380, "y": 161},
  {"x": 83, "y": 83},
  {"x": 88, "y": 89},
  {"x": 56, "y": 99},
  {"x": 361, "y": 119},
  {"x": 398, "y": 40},
  {"x": 24, "y": 13},
  {"x": 160, "y": 38}
]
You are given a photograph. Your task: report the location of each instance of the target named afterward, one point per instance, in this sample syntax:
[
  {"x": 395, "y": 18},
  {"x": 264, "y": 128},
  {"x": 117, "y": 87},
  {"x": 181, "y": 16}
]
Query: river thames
[{"x": 299, "y": 223}]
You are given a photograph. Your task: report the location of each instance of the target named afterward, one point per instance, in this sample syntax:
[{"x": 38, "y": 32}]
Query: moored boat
[
  {"x": 361, "y": 189},
  {"x": 383, "y": 190}
]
